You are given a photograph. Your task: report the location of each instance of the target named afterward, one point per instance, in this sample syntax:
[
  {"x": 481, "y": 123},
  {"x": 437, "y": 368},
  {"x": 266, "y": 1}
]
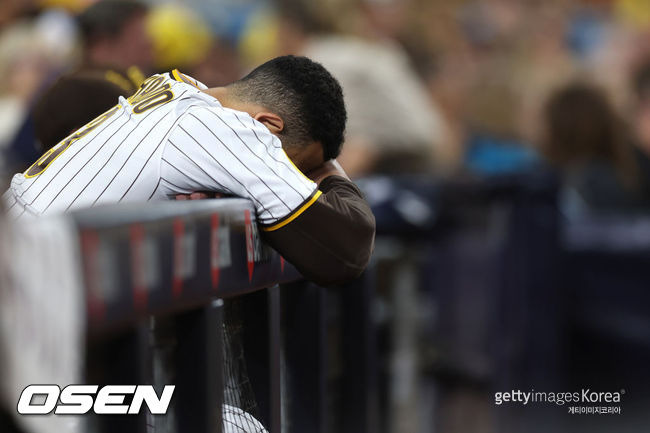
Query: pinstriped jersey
[{"x": 168, "y": 138}]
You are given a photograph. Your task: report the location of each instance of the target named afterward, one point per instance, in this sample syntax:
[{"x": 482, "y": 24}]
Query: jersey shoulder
[
  {"x": 244, "y": 127},
  {"x": 183, "y": 78}
]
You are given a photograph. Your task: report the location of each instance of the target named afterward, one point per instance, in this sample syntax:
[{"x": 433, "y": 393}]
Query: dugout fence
[
  {"x": 486, "y": 285},
  {"x": 475, "y": 288},
  {"x": 186, "y": 293}
]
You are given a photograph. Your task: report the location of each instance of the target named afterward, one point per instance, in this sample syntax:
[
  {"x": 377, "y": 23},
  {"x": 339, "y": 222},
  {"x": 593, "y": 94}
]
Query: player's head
[{"x": 308, "y": 103}]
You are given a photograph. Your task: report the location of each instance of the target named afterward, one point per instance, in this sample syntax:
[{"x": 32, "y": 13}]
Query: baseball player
[{"x": 254, "y": 138}]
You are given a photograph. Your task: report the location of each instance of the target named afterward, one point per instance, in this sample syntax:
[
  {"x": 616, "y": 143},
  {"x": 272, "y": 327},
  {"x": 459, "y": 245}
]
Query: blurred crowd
[
  {"x": 438, "y": 87},
  {"x": 449, "y": 89}
]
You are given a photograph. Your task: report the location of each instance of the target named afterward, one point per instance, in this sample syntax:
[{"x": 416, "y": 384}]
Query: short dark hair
[
  {"x": 305, "y": 95},
  {"x": 107, "y": 18}
]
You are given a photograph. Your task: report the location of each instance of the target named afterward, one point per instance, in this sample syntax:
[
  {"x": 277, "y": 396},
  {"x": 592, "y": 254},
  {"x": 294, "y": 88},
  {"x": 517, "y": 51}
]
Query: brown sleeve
[{"x": 332, "y": 240}]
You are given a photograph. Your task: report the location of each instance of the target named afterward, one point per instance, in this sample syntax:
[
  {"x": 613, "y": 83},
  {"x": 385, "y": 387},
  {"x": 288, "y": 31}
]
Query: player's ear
[{"x": 271, "y": 121}]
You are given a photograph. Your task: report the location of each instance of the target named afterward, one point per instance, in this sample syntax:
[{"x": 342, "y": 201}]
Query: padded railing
[{"x": 173, "y": 263}]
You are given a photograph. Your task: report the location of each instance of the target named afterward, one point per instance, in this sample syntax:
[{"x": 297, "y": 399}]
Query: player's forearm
[{"x": 331, "y": 242}]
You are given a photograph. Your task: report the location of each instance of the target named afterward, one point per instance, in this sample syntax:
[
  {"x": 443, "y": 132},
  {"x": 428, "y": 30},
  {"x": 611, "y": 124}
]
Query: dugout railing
[
  {"x": 157, "y": 278},
  {"x": 482, "y": 284},
  {"x": 158, "y": 281},
  {"x": 475, "y": 288},
  {"x": 169, "y": 266}
]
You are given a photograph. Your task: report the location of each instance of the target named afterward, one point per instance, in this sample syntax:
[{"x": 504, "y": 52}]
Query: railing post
[
  {"x": 359, "y": 385},
  {"x": 304, "y": 323},
  {"x": 199, "y": 368},
  {"x": 123, "y": 359},
  {"x": 275, "y": 370}
]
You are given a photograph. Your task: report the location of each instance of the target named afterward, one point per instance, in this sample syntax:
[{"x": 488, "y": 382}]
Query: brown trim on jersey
[{"x": 332, "y": 240}]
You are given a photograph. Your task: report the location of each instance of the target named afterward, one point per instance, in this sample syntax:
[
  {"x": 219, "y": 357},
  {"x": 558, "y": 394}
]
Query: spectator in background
[
  {"x": 393, "y": 125},
  {"x": 183, "y": 40},
  {"x": 71, "y": 103},
  {"x": 640, "y": 117},
  {"x": 33, "y": 49},
  {"x": 116, "y": 49},
  {"x": 497, "y": 59},
  {"x": 585, "y": 138},
  {"x": 115, "y": 37}
]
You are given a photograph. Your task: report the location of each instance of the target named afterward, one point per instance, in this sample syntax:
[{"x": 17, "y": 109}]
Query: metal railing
[
  {"x": 470, "y": 290},
  {"x": 174, "y": 263},
  {"x": 162, "y": 272}
]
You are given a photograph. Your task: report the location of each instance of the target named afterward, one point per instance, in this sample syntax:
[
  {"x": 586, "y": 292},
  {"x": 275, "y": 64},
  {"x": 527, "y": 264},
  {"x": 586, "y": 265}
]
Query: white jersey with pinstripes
[{"x": 169, "y": 138}]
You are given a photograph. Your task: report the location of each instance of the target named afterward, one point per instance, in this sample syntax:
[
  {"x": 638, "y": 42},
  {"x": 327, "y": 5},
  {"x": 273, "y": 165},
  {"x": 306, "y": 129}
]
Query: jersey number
[
  {"x": 48, "y": 157},
  {"x": 151, "y": 94}
]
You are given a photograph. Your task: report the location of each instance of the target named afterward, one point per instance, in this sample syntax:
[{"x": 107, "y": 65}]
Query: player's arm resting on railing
[
  {"x": 331, "y": 241},
  {"x": 327, "y": 232}
]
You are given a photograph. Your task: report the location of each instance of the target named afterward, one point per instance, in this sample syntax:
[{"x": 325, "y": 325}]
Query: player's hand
[
  {"x": 329, "y": 168},
  {"x": 198, "y": 196}
]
